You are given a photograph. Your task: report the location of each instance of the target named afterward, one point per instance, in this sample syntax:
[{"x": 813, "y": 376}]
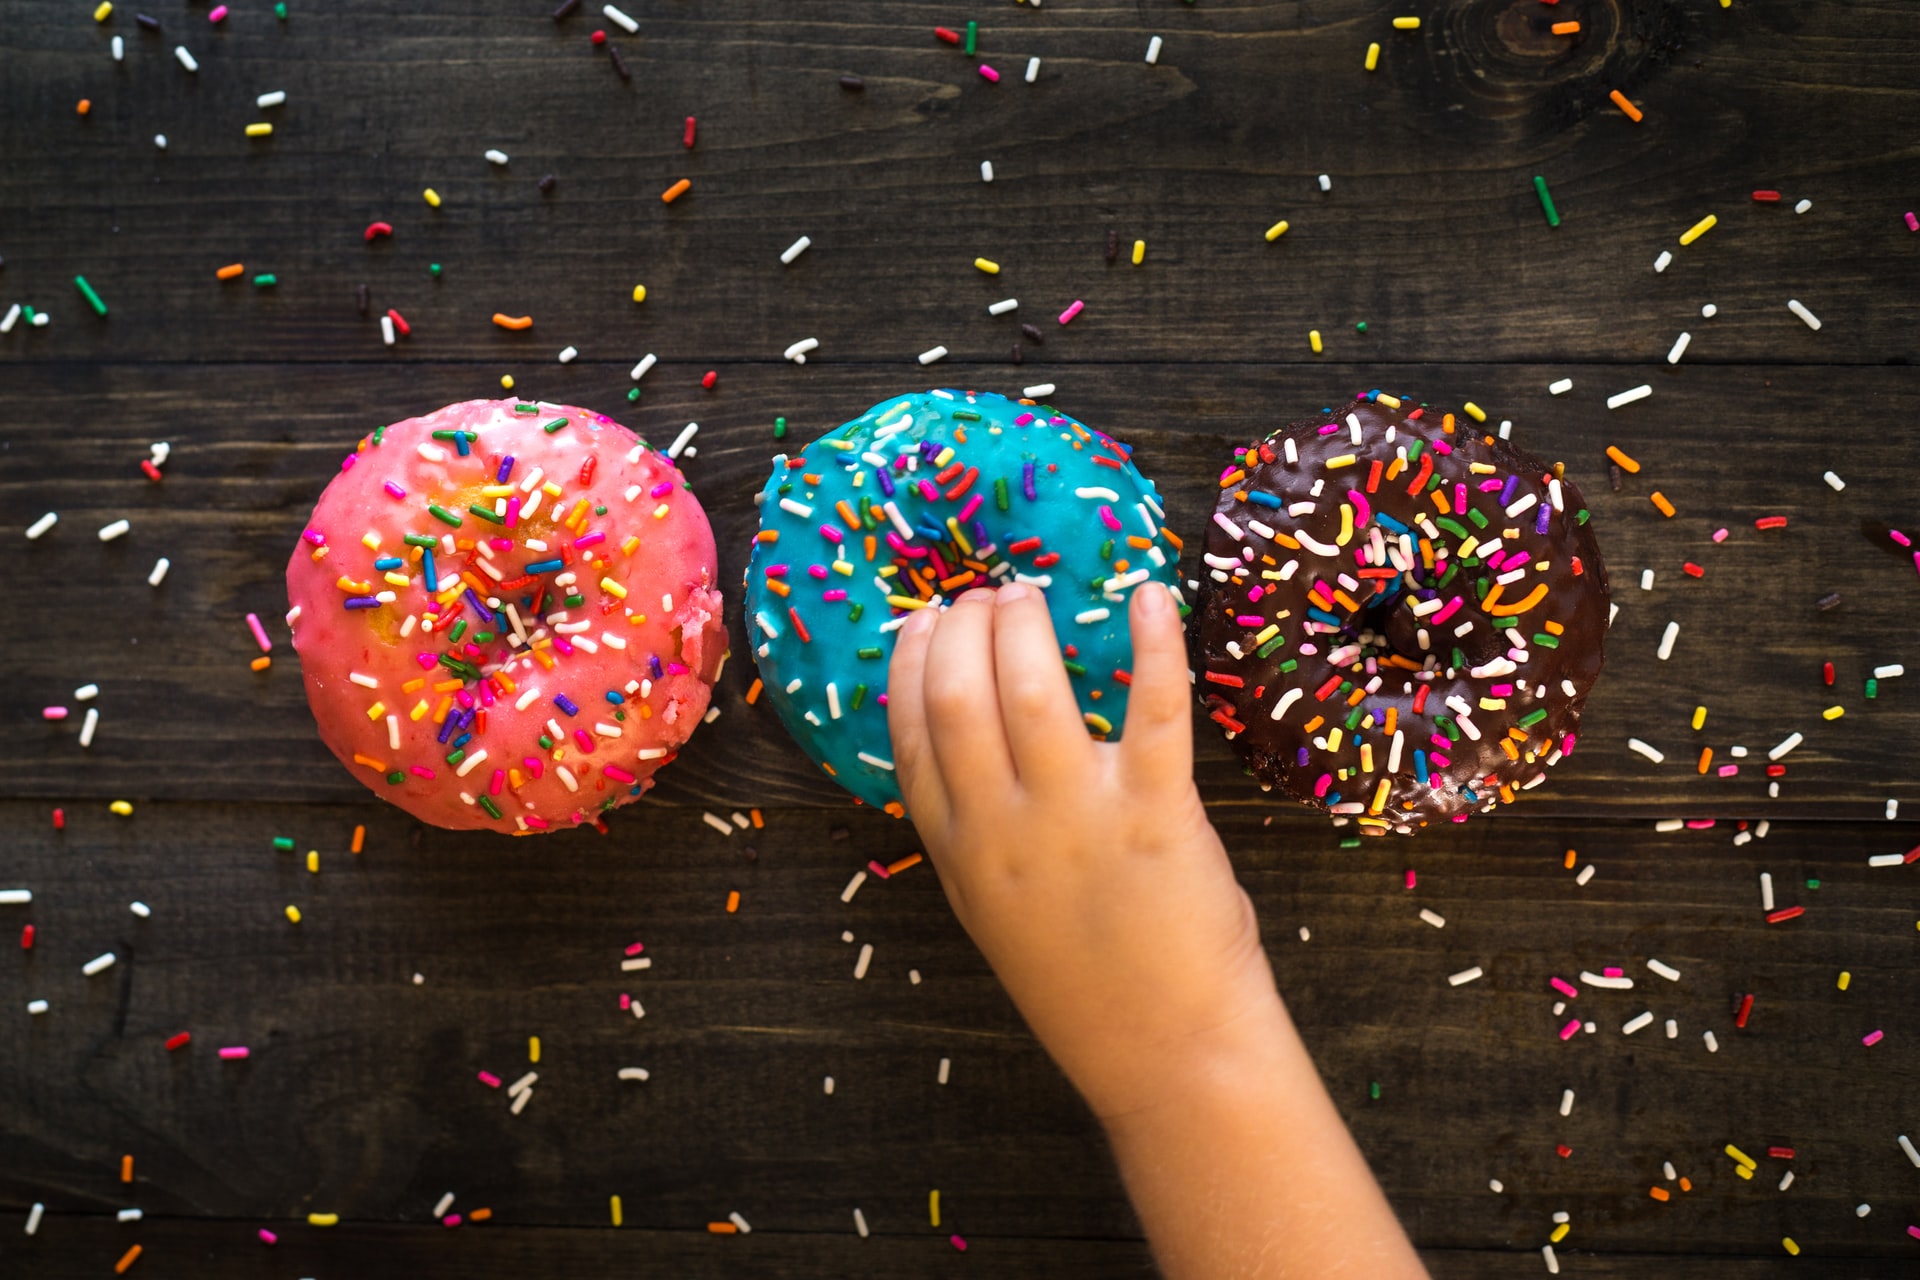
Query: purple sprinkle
[
  {"x": 566, "y": 704},
  {"x": 886, "y": 481},
  {"x": 653, "y": 665},
  {"x": 506, "y": 469},
  {"x": 363, "y": 602},
  {"x": 1506, "y": 491},
  {"x": 479, "y": 606},
  {"x": 1301, "y": 759},
  {"x": 1546, "y": 514},
  {"x": 447, "y": 727},
  {"x": 1026, "y": 483}
]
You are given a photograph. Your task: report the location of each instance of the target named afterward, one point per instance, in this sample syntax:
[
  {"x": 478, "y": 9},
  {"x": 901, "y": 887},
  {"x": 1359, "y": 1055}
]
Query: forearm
[{"x": 1246, "y": 1171}]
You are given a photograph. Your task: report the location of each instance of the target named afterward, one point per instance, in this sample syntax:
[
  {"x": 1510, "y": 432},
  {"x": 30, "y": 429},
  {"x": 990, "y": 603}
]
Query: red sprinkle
[
  {"x": 599, "y": 37},
  {"x": 178, "y": 1041},
  {"x": 805, "y": 636},
  {"x": 379, "y": 229},
  {"x": 1746, "y": 1007},
  {"x": 153, "y": 472},
  {"x": 1564, "y": 1150},
  {"x": 712, "y": 377},
  {"x": 1826, "y": 673},
  {"x": 26, "y": 938},
  {"x": 1770, "y": 522},
  {"x": 1913, "y": 856},
  {"x": 1767, "y": 197},
  {"x": 951, "y": 37},
  {"x": 586, "y": 469},
  {"x": 1693, "y": 570},
  {"x": 1784, "y": 914},
  {"x": 1780, "y": 1153},
  {"x": 400, "y": 322},
  {"x": 689, "y": 133}
]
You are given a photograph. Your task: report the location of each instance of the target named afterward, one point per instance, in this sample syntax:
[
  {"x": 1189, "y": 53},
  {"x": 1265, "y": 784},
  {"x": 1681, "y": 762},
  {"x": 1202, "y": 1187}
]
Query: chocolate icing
[{"x": 1267, "y": 604}]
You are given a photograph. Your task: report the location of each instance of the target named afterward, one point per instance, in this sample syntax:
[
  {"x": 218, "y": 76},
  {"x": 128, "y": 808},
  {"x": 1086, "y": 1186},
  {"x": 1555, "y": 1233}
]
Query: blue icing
[{"x": 886, "y": 456}]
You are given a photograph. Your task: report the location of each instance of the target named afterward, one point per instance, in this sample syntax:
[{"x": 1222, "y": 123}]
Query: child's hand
[{"x": 1086, "y": 872}]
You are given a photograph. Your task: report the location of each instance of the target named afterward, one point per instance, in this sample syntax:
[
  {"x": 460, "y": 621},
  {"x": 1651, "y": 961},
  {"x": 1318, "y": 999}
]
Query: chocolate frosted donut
[{"x": 1402, "y": 615}]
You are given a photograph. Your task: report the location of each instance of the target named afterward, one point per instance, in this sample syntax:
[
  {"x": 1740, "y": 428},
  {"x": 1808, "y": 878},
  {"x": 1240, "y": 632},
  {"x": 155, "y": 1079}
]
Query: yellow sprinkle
[
  {"x": 1846, "y": 980},
  {"x": 613, "y": 588},
  {"x": 1313, "y": 340},
  {"x": 1559, "y": 1232},
  {"x": 1344, "y": 460},
  {"x": 1474, "y": 411},
  {"x": 506, "y": 381},
  {"x": 1406, "y": 24},
  {"x": 293, "y": 914},
  {"x": 614, "y": 1205},
  {"x": 1277, "y": 230},
  {"x": 1386, "y": 784},
  {"x": 1786, "y": 1242},
  {"x": 628, "y": 547},
  {"x": 1387, "y": 400},
  {"x": 1139, "y": 252},
  {"x": 322, "y": 1219},
  {"x": 1373, "y": 56},
  {"x": 377, "y": 710},
  {"x": 1699, "y": 717},
  {"x": 313, "y": 861},
  {"x": 933, "y": 1207},
  {"x": 398, "y": 579},
  {"x": 639, "y": 293},
  {"x": 259, "y": 130},
  {"x": 1833, "y": 713},
  {"x": 419, "y": 710},
  {"x": 533, "y": 1048},
  {"x": 990, "y": 267},
  {"x": 122, "y": 807},
  {"x": 1741, "y": 1157},
  {"x": 1698, "y": 229},
  {"x": 100, "y": 14},
  {"x": 1744, "y": 1172},
  {"x": 432, "y": 197},
  {"x": 906, "y": 602},
  {"x": 1098, "y": 723}
]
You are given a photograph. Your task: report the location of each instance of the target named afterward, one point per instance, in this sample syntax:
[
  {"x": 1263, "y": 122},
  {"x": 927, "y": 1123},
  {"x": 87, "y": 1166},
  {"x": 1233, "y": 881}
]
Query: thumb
[{"x": 1157, "y": 738}]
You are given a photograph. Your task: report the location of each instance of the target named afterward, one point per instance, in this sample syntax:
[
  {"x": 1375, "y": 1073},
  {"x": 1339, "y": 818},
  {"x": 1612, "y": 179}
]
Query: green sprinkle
[
  {"x": 266, "y": 280},
  {"x": 1000, "y": 492},
  {"x": 486, "y": 513},
  {"x": 421, "y": 540},
  {"x": 555, "y": 425},
  {"x": 1546, "y": 201},
  {"x": 779, "y": 426},
  {"x": 486, "y": 802},
  {"x": 396, "y": 778},
  {"x": 434, "y": 269},
  {"x": 600, "y": 511},
  {"x": 1813, "y": 884},
  {"x": 483, "y": 637},
  {"x": 966, "y": 415},
  {"x": 1291, "y": 664},
  {"x": 1446, "y": 722},
  {"x": 1505, "y": 624},
  {"x": 1360, "y": 328},
  {"x": 86, "y": 291},
  {"x": 1075, "y": 668},
  {"x": 1353, "y": 719},
  {"x": 526, "y": 408},
  {"x": 575, "y": 601},
  {"x": 859, "y": 696},
  {"x": 1351, "y": 842},
  {"x": 283, "y": 843},
  {"x": 1479, "y": 520},
  {"x": 1580, "y": 516},
  {"x": 546, "y": 743},
  {"x": 443, "y": 515},
  {"x": 1546, "y": 641},
  {"x": 1448, "y": 576},
  {"x": 459, "y": 629},
  {"x": 378, "y": 432},
  {"x": 280, "y": 11},
  {"x": 1533, "y": 718},
  {"x": 1106, "y": 549},
  {"x": 1452, "y": 526},
  {"x": 870, "y": 651},
  {"x": 1373, "y": 1090},
  {"x": 618, "y": 715},
  {"x": 457, "y": 756},
  {"x": 633, "y": 396},
  {"x": 853, "y": 614},
  {"x": 973, "y": 37},
  {"x": 1873, "y": 687},
  {"x": 1413, "y": 450},
  {"x": 1270, "y": 646}
]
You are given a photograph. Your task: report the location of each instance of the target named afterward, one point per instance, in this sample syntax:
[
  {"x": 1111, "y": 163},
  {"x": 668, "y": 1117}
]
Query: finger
[
  {"x": 963, "y": 712},
  {"x": 1044, "y": 730},
  {"x": 920, "y": 783},
  {"x": 1157, "y": 738}
]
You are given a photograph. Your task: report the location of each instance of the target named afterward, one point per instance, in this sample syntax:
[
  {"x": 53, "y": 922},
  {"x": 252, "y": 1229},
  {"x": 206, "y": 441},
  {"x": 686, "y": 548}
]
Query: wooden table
[{"x": 430, "y": 956}]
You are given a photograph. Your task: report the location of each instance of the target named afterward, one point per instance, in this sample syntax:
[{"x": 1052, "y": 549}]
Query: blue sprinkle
[
  {"x": 432, "y": 578},
  {"x": 543, "y": 566},
  {"x": 1321, "y": 615},
  {"x": 1262, "y": 499},
  {"x": 460, "y": 443},
  {"x": 388, "y": 562},
  {"x": 1390, "y": 522},
  {"x": 616, "y": 697},
  {"x": 461, "y": 741},
  {"x": 566, "y": 704},
  {"x": 1420, "y": 766}
]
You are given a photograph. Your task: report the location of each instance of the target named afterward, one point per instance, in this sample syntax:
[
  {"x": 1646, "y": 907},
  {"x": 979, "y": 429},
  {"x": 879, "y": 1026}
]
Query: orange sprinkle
[
  {"x": 1658, "y": 1193},
  {"x": 1686, "y": 1185},
  {"x": 126, "y": 1168},
  {"x": 769, "y": 535},
  {"x": 1660, "y": 501},
  {"x": 675, "y": 191},
  {"x": 1531, "y": 599},
  {"x": 359, "y": 839},
  {"x": 261, "y": 663},
  {"x": 1625, "y": 463},
  {"x": 127, "y": 1259},
  {"x": 722, "y": 1229},
  {"x": 506, "y": 321},
  {"x": 894, "y": 809},
  {"x": 778, "y": 587},
  {"x": 758, "y": 821},
  {"x": 1566, "y": 28},
  {"x": 479, "y": 1215},
  {"x": 753, "y": 693},
  {"x": 230, "y": 271},
  {"x": 911, "y": 860},
  {"x": 379, "y": 766},
  {"x": 1620, "y": 100},
  {"x": 1706, "y": 758},
  {"x": 1569, "y": 860},
  {"x": 1169, "y": 535},
  {"x": 86, "y": 105},
  {"x": 733, "y": 901}
]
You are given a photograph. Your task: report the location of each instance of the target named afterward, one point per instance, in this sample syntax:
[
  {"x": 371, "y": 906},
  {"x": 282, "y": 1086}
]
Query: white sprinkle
[
  {"x": 1634, "y": 744},
  {"x": 1713, "y": 1045},
  {"x": 1640, "y": 392},
  {"x": 44, "y": 523},
  {"x": 1793, "y": 305},
  {"x": 119, "y": 49},
  {"x": 638, "y": 1012},
  {"x": 798, "y": 351},
  {"x": 1566, "y": 1102},
  {"x": 1592, "y": 979},
  {"x": 524, "y": 1083},
  {"x": 1886, "y": 860},
  {"x": 859, "y": 1218},
  {"x": 1666, "y": 971},
  {"x": 1766, "y": 891},
  {"x": 99, "y": 964},
  {"x": 15, "y": 897},
  {"x": 795, "y": 249},
  {"x": 1803, "y": 206},
  {"x": 520, "y": 1102},
  {"x": 1662, "y": 262},
  {"x": 87, "y": 727},
  {"x": 1586, "y": 874},
  {"x": 946, "y": 1065},
  {"x": 632, "y": 1073},
  {"x": 986, "y": 171},
  {"x": 1646, "y": 579},
  {"x": 186, "y": 59},
  {"x": 33, "y": 1214},
  {"x": 853, "y": 886},
  {"x": 1003, "y": 306},
  {"x": 826, "y": 1086},
  {"x": 41, "y": 319},
  {"x": 86, "y": 693},
  {"x": 636, "y": 963},
  {"x": 1496, "y": 1186},
  {"x": 1671, "y": 634},
  {"x": 1153, "y": 50},
  {"x": 1834, "y": 482},
  {"x": 160, "y": 141},
  {"x": 1893, "y": 810},
  {"x": 1033, "y": 73},
  {"x": 1859, "y": 1211},
  {"x": 793, "y": 507},
  {"x": 620, "y": 19},
  {"x": 445, "y": 1203},
  {"x": 109, "y": 532},
  {"x": 1433, "y": 918},
  {"x": 1561, "y": 387},
  {"x": 867, "y": 757},
  {"x": 1553, "y": 1263},
  {"x": 1786, "y": 1180},
  {"x": 866, "y": 958},
  {"x": 1465, "y": 976},
  {"x": 1673, "y": 1029},
  {"x": 387, "y": 335},
  {"x": 128, "y": 1215},
  {"x": 567, "y": 354},
  {"x": 1092, "y": 615},
  {"x": 1326, "y": 183},
  {"x": 1037, "y": 391},
  {"x": 36, "y": 1007},
  {"x": 913, "y": 976},
  {"x": 496, "y": 155},
  {"x": 1679, "y": 347},
  {"x": 1636, "y": 1024},
  {"x": 140, "y": 909},
  {"x": 1306, "y": 934},
  {"x": 1669, "y": 824},
  {"x": 277, "y": 98},
  {"x": 1785, "y": 745},
  {"x": 718, "y": 823},
  {"x": 682, "y": 440},
  {"x": 931, "y": 354},
  {"x": 1907, "y": 1147},
  {"x": 1889, "y": 672},
  {"x": 1709, "y": 311},
  {"x": 741, "y": 1223},
  {"x": 646, "y": 363}
]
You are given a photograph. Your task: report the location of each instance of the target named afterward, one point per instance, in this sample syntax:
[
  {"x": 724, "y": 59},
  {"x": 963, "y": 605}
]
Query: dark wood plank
[
  {"x": 1431, "y": 233},
  {"x": 361, "y": 1098},
  {"x": 182, "y": 717}
]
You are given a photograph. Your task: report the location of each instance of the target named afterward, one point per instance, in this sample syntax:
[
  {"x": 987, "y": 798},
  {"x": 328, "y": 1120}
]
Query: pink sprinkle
[
  {"x": 636, "y": 948},
  {"x": 1565, "y": 988},
  {"x": 1072, "y": 311},
  {"x": 267, "y": 1237},
  {"x": 661, "y": 490},
  {"x": 1244, "y": 619},
  {"x": 1566, "y": 1032},
  {"x": 1719, "y": 535},
  {"x": 219, "y": 12},
  {"x": 513, "y": 512},
  {"x": 451, "y": 1220},
  {"x": 1872, "y": 1037},
  {"x": 973, "y": 505},
  {"x": 1412, "y": 879},
  {"x": 957, "y": 1243},
  {"x": 1728, "y": 770},
  {"x": 1614, "y": 971},
  {"x": 1900, "y": 537},
  {"x": 394, "y": 489},
  {"x": 595, "y": 537},
  {"x": 618, "y": 774},
  {"x": 1109, "y": 519},
  {"x": 880, "y": 869},
  {"x": 988, "y": 73},
  {"x": 421, "y": 771},
  {"x": 498, "y": 782},
  {"x": 319, "y": 539},
  {"x": 830, "y": 533},
  {"x": 818, "y": 571},
  {"x": 1699, "y": 824},
  {"x": 232, "y": 1051},
  {"x": 346, "y": 463},
  {"x": 626, "y": 1002},
  {"x": 1913, "y": 223},
  {"x": 1914, "y": 1232},
  {"x": 489, "y": 1079},
  {"x": 834, "y": 596},
  {"x": 53, "y": 713},
  {"x": 260, "y": 633}
]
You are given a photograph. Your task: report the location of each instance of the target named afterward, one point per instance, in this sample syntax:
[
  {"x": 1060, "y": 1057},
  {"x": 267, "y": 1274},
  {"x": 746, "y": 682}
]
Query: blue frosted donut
[{"x": 916, "y": 500}]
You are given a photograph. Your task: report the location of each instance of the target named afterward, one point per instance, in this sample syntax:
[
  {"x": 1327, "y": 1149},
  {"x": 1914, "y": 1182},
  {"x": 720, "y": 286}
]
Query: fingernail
[
  {"x": 977, "y": 594},
  {"x": 1154, "y": 599},
  {"x": 1011, "y": 592},
  {"x": 917, "y": 621}
]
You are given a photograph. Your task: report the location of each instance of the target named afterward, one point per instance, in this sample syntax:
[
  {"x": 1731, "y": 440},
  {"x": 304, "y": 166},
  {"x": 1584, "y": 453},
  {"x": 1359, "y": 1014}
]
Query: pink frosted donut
[{"x": 506, "y": 616}]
